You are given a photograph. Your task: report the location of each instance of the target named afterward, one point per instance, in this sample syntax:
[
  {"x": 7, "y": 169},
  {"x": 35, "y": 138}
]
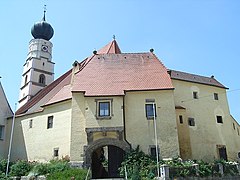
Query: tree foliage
[{"x": 138, "y": 165}]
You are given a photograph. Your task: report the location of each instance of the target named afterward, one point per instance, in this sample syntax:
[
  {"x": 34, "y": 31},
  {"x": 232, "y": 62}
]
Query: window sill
[
  {"x": 103, "y": 117},
  {"x": 150, "y": 118}
]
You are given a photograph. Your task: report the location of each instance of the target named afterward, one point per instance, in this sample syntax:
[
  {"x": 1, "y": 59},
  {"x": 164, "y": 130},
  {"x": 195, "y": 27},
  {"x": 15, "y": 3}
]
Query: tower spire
[
  {"x": 44, "y": 12},
  {"x": 38, "y": 70}
]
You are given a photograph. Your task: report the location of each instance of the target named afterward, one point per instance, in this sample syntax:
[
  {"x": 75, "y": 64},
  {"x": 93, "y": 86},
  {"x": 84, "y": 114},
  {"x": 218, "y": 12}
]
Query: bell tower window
[
  {"x": 26, "y": 78},
  {"x": 42, "y": 79}
]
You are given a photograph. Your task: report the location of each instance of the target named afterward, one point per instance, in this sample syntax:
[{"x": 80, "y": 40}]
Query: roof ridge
[
  {"x": 136, "y": 53},
  {"x": 159, "y": 61},
  {"x": 86, "y": 62},
  {"x": 190, "y": 73},
  {"x": 215, "y": 82},
  {"x": 110, "y": 47}
]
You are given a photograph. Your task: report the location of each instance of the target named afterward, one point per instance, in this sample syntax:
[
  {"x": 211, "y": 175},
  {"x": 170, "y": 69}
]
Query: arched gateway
[{"x": 104, "y": 156}]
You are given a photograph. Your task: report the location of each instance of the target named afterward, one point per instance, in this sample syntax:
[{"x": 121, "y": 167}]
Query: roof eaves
[
  {"x": 161, "y": 89},
  {"x": 200, "y": 83}
]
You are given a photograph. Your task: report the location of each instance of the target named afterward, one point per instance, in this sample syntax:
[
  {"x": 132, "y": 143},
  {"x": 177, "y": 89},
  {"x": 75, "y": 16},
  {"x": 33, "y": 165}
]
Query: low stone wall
[
  {"x": 29, "y": 178},
  {"x": 168, "y": 174},
  {"x": 208, "y": 178}
]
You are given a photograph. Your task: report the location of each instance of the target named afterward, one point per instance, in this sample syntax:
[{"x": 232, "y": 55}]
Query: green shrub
[
  {"x": 20, "y": 168},
  {"x": 58, "y": 166},
  {"x": 138, "y": 165},
  {"x": 50, "y": 168},
  {"x": 78, "y": 174},
  {"x": 205, "y": 169},
  {"x": 3, "y": 165},
  {"x": 40, "y": 169},
  {"x": 3, "y": 176}
]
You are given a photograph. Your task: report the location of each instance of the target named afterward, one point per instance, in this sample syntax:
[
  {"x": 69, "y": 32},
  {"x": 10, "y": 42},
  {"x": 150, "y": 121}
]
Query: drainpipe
[{"x": 124, "y": 123}]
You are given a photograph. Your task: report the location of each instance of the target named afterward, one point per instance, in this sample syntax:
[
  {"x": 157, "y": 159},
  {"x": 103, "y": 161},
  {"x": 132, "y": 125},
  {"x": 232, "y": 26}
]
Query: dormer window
[{"x": 42, "y": 79}]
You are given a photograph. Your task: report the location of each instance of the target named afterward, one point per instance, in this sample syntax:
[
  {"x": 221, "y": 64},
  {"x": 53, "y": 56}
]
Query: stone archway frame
[{"x": 104, "y": 142}]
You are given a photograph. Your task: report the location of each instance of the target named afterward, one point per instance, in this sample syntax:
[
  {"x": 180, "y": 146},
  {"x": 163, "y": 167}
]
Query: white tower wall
[{"x": 38, "y": 70}]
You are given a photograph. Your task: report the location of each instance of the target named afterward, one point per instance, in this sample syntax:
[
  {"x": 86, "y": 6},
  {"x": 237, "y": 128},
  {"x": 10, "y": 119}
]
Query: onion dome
[{"x": 42, "y": 30}]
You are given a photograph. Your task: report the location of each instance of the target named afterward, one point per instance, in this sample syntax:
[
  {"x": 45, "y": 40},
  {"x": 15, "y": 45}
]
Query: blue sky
[{"x": 195, "y": 36}]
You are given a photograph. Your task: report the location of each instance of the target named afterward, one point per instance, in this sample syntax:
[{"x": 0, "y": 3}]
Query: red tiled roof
[
  {"x": 107, "y": 73},
  {"x": 63, "y": 94},
  {"x": 112, "y": 74},
  {"x": 50, "y": 90},
  {"x": 110, "y": 48},
  {"x": 178, "y": 75}
]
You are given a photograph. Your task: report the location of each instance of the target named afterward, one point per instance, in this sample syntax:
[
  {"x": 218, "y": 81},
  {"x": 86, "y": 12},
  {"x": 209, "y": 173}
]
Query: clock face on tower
[{"x": 44, "y": 48}]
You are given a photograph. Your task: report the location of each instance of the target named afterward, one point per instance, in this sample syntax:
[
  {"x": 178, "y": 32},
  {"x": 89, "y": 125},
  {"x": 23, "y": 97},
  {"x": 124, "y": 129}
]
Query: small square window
[
  {"x": 195, "y": 95},
  {"x": 150, "y": 110},
  {"x": 219, "y": 119},
  {"x": 181, "y": 119},
  {"x": 152, "y": 151},
  {"x": 191, "y": 122},
  {"x": 31, "y": 123},
  {"x": 215, "y": 95},
  {"x": 2, "y": 132},
  {"x": 50, "y": 122},
  {"x": 55, "y": 152}
]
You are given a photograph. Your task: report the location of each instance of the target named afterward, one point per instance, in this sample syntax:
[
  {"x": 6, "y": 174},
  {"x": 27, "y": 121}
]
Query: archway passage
[{"x": 106, "y": 161}]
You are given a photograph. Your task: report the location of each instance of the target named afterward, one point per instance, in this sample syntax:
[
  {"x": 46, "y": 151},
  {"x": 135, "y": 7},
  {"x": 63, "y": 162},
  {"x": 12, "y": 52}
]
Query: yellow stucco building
[{"x": 108, "y": 103}]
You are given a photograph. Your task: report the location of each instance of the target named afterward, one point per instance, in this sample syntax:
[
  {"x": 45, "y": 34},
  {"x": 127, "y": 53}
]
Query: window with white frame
[
  {"x": 150, "y": 108},
  {"x": 2, "y": 132},
  {"x": 104, "y": 108}
]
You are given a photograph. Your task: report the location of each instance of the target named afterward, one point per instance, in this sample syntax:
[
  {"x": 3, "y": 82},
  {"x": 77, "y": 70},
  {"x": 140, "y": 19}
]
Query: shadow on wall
[{"x": 18, "y": 149}]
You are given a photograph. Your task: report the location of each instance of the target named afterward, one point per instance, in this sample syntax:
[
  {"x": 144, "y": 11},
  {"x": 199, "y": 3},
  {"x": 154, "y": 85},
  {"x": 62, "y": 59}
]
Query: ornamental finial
[{"x": 44, "y": 12}]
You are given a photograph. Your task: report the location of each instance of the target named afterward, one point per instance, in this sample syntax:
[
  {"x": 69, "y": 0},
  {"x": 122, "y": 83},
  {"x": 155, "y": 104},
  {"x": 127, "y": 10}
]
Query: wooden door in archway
[{"x": 115, "y": 158}]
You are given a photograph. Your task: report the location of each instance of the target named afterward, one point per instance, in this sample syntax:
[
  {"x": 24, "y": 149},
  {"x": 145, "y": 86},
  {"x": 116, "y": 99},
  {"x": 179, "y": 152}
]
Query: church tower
[{"x": 38, "y": 70}]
